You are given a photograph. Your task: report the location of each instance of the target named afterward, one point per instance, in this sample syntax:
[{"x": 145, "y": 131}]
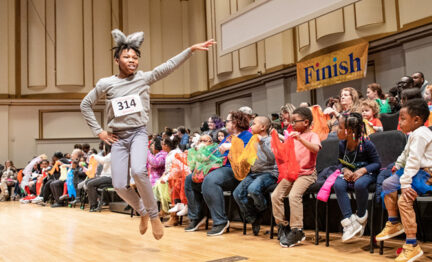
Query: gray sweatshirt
[
  {"x": 137, "y": 84},
  {"x": 266, "y": 162}
]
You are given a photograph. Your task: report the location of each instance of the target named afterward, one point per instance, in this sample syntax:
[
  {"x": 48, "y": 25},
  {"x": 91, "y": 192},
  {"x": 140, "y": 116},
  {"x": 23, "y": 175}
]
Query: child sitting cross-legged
[
  {"x": 263, "y": 173},
  {"x": 306, "y": 146},
  {"x": 412, "y": 175}
]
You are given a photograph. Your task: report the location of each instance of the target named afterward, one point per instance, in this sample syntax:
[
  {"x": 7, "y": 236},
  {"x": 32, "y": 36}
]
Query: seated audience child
[
  {"x": 360, "y": 165},
  {"x": 412, "y": 175},
  {"x": 370, "y": 112},
  {"x": 263, "y": 173},
  {"x": 306, "y": 145},
  {"x": 161, "y": 189},
  {"x": 156, "y": 160}
]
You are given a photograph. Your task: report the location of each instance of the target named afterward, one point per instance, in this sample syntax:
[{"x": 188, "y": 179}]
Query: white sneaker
[
  {"x": 183, "y": 212},
  {"x": 24, "y": 201},
  {"x": 37, "y": 200},
  {"x": 350, "y": 227},
  {"x": 176, "y": 208},
  {"x": 362, "y": 221}
]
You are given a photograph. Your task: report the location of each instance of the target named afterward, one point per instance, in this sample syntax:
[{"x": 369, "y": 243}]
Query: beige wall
[
  {"x": 364, "y": 20},
  {"x": 66, "y": 44},
  {"x": 53, "y": 70},
  {"x": 19, "y": 138}
]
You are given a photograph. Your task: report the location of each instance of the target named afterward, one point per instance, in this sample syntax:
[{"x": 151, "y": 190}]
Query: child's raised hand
[
  {"x": 43, "y": 157},
  {"x": 409, "y": 194},
  {"x": 203, "y": 46},
  {"x": 294, "y": 134}
]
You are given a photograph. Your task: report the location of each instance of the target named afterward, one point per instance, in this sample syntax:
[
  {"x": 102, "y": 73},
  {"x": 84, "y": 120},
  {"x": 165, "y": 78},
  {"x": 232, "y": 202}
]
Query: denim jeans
[
  {"x": 253, "y": 185},
  {"x": 194, "y": 197},
  {"x": 221, "y": 179},
  {"x": 361, "y": 192}
]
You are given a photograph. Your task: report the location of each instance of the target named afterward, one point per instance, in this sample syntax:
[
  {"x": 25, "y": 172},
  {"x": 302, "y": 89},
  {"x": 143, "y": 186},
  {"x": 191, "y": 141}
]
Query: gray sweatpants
[{"x": 131, "y": 148}]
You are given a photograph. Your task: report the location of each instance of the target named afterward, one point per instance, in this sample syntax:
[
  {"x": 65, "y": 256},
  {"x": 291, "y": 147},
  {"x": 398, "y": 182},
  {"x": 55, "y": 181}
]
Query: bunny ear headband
[{"x": 134, "y": 39}]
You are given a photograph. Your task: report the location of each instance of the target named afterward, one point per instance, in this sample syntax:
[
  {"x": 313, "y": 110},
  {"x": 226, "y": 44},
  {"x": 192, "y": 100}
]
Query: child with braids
[{"x": 359, "y": 168}]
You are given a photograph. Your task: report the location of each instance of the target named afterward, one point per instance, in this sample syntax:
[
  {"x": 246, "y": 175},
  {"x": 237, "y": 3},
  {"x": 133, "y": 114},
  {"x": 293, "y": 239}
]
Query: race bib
[{"x": 126, "y": 105}]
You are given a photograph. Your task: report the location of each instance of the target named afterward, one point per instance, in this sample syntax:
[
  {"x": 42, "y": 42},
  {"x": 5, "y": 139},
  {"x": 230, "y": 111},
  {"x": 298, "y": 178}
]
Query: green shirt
[{"x": 384, "y": 106}]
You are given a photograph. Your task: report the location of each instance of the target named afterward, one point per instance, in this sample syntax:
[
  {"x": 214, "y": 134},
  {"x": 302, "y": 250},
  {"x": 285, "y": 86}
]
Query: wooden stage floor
[{"x": 35, "y": 233}]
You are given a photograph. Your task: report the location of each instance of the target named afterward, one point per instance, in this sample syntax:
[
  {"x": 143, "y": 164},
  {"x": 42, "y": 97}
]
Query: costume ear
[
  {"x": 135, "y": 39},
  {"x": 119, "y": 37}
]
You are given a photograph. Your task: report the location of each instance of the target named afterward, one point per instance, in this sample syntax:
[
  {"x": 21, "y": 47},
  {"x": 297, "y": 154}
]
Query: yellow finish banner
[{"x": 336, "y": 67}]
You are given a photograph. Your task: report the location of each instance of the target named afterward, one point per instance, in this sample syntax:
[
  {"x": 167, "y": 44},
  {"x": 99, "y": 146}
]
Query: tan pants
[
  {"x": 406, "y": 210},
  {"x": 295, "y": 192}
]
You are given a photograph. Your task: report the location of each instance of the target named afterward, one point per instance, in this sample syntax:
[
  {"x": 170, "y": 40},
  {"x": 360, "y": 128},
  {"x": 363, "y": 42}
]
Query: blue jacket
[
  {"x": 245, "y": 136},
  {"x": 368, "y": 157}
]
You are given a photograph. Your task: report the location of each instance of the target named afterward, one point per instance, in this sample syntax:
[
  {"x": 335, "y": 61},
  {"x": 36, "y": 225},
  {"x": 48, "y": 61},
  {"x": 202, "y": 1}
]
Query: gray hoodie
[
  {"x": 266, "y": 162},
  {"x": 137, "y": 84}
]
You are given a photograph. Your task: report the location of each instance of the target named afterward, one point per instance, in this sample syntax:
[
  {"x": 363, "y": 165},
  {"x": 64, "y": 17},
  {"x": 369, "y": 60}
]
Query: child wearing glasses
[{"x": 306, "y": 146}]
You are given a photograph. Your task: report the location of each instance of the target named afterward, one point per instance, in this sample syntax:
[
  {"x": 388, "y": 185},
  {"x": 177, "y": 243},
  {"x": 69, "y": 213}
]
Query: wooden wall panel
[
  {"x": 247, "y": 55},
  {"x": 210, "y": 35},
  {"x": 155, "y": 41},
  {"x": 4, "y": 28},
  {"x": 172, "y": 43},
  {"x": 197, "y": 33},
  {"x": 102, "y": 26},
  {"x": 303, "y": 35},
  {"x": 65, "y": 124},
  {"x": 279, "y": 50},
  {"x": 136, "y": 17},
  {"x": 368, "y": 12},
  {"x": 329, "y": 24},
  {"x": 222, "y": 10},
  {"x": 414, "y": 10},
  {"x": 69, "y": 43},
  {"x": 36, "y": 44}
]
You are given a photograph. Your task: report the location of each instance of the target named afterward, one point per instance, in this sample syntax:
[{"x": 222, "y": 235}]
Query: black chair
[
  {"x": 104, "y": 190},
  {"x": 389, "y": 145},
  {"x": 389, "y": 121},
  {"x": 267, "y": 192}
]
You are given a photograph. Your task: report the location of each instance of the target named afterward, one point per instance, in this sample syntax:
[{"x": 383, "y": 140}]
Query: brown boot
[
  {"x": 163, "y": 214},
  {"x": 144, "y": 223},
  {"x": 157, "y": 228},
  {"x": 173, "y": 221}
]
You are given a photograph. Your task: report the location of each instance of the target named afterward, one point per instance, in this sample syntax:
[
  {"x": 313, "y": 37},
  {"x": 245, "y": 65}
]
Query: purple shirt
[{"x": 156, "y": 165}]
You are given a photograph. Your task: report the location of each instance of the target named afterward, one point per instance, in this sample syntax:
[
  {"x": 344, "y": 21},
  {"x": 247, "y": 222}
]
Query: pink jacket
[
  {"x": 325, "y": 190},
  {"x": 156, "y": 165}
]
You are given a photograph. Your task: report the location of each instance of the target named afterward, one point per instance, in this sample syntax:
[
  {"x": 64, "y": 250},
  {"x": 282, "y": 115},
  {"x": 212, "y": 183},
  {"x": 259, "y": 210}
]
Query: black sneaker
[
  {"x": 64, "y": 197},
  {"x": 56, "y": 205},
  {"x": 256, "y": 226},
  {"x": 280, "y": 231},
  {"x": 294, "y": 237},
  {"x": 218, "y": 230},
  {"x": 195, "y": 224},
  {"x": 283, "y": 232}
]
